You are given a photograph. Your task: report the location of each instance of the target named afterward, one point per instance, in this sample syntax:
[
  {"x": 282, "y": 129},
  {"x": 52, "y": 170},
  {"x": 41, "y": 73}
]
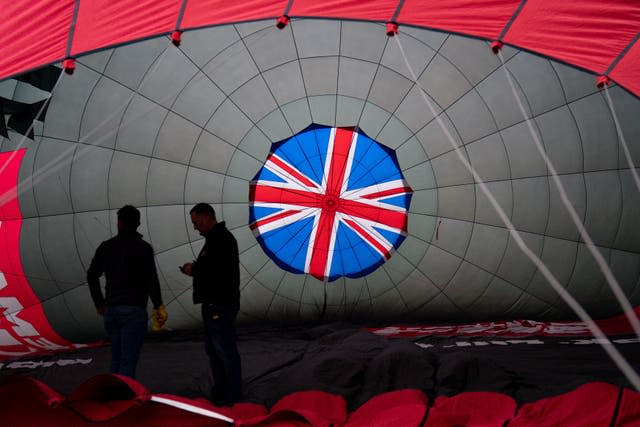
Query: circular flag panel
[{"x": 329, "y": 202}]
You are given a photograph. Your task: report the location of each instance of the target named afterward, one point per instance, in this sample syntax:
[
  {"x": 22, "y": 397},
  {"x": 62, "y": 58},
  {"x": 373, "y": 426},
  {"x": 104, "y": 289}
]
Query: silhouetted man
[
  {"x": 216, "y": 285},
  {"x": 128, "y": 265}
]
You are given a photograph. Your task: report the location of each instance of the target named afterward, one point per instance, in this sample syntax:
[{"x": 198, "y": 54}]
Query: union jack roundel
[{"x": 329, "y": 202}]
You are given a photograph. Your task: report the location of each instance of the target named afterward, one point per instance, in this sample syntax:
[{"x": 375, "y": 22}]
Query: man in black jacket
[
  {"x": 128, "y": 265},
  {"x": 216, "y": 285}
]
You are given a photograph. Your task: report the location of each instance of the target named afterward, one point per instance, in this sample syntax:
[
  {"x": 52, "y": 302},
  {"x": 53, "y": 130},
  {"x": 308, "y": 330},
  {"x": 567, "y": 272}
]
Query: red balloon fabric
[
  {"x": 599, "y": 37},
  {"x": 26, "y": 401}
]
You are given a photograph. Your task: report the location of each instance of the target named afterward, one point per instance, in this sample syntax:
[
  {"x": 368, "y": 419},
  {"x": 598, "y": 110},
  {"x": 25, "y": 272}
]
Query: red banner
[
  {"x": 618, "y": 325},
  {"x": 24, "y": 329}
]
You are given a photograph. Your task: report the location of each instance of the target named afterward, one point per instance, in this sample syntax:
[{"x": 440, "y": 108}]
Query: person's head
[
  {"x": 128, "y": 218},
  {"x": 203, "y": 217}
]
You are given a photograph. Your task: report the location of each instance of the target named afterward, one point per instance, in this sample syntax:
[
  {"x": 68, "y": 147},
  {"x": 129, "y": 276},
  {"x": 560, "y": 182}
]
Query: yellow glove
[{"x": 158, "y": 318}]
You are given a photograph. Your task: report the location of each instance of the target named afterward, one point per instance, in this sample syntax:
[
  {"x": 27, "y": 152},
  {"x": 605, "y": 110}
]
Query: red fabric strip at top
[
  {"x": 200, "y": 13},
  {"x": 34, "y": 33},
  {"x": 375, "y": 10},
  {"x": 104, "y": 23},
  {"x": 484, "y": 19},
  {"x": 627, "y": 72},
  {"x": 587, "y": 33},
  {"x": 590, "y": 34}
]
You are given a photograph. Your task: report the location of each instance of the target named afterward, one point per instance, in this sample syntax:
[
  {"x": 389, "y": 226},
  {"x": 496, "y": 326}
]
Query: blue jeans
[
  {"x": 127, "y": 327},
  {"x": 224, "y": 359}
]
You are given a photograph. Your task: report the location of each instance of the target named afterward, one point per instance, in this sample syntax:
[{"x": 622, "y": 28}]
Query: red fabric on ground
[
  {"x": 304, "y": 408},
  {"x": 119, "y": 401},
  {"x": 629, "y": 410},
  {"x": 106, "y": 396},
  {"x": 474, "y": 408},
  {"x": 592, "y": 404},
  {"x": 405, "y": 408}
]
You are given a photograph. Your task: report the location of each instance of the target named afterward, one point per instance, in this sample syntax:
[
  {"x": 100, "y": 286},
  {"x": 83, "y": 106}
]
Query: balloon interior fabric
[
  {"x": 377, "y": 162},
  {"x": 164, "y": 127}
]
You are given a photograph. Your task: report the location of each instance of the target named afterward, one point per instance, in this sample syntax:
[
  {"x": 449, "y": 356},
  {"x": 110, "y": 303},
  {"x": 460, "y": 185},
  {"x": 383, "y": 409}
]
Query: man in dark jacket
[
  {"x": 216, "y": 285},
  {"x": 128, "y": 265}
]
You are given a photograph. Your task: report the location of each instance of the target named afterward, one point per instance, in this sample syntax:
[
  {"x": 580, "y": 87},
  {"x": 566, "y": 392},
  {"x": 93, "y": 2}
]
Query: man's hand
[
  {"x": 100, "y": 310},
  {"x": 186, "y": 268},
  {"x": 158, "y": 318}
]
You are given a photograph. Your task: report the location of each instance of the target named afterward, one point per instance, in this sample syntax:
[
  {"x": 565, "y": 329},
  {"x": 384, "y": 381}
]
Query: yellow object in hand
[{"x": 158, "y": 318}]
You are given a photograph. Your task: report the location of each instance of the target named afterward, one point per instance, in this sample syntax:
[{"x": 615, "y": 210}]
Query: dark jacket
[
  {"x": 130, "y": 271},
  {"x": 216, "y": 272}
]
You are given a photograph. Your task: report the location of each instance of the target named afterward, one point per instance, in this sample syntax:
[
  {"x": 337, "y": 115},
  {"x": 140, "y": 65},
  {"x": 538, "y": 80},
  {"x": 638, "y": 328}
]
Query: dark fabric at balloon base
[{"x": 349, "y": 361}]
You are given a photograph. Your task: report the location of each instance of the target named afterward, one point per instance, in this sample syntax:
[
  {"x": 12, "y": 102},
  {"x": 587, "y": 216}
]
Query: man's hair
[
  {"x": 130, "y": 216},
  {"x": 204, "y": 208}
]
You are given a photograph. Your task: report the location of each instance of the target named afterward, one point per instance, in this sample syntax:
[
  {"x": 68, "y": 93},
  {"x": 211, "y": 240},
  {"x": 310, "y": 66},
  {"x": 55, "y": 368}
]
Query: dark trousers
[
  {"x": 224, "y": 359},
  {"x": 127, "y": 327}
]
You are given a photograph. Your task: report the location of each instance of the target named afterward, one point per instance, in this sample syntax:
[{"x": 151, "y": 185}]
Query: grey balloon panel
[
  {"x": 176, "y": 128},
  {"x": 457, "y": 202},
  {"x": 89, "y": 178},
  {"x": 164, "y": 128},
  {"x": 161, "y": 83},
  {"x": 127, "y": 179},
  {"x": 60, "y": 252},
  {"x": 166, "y": 182},
  {"x": 560, "y": 223},
  {"x": 389, "y": 89},
  {"x": 130, "y": 64},
  {"x": 410, "y": 154},
  {"x": 414, "y": 100},
  {"x": 444, "y": 82},
  {"x": 362, "y": 40},
  {"x": 138, "y": 130},
  {"x": 515, "y": 267},
  {"x": 50, "y": 176},
  {"x": 421, "y": 55},
  {"x": 231, "y": 68},
  {"x": 285, "y": 82},
  {"x": 229, "y": 123},
  {"x": 270, "y": 49},
  {"x": 394, "y": 133},
  {"x": 505, "y": 109},
  {"x": 254, "y": 89},
  {"x": 275, "y": 126},
  {"x": 70, "y": 109},
  {"x": 538, "y": 81},
  {"x": 594, "y": 123},
  {"x": 103, "y": 121},
  {"x": 576, "y": 84},
  {"x": 502, "y": 192},
  {"x": 628, "y": 236},
  {"x": 8, "y": 88},
  {"x": 472, "y": 117},
  {"x": 355, "y": 77},
  {"x": 561, "y": 140},
  {"x": 603, "y": 206},
  {"x": 486, "y": 247},
  {"x": 525, "y": 159},
  {"x": 627, "y": 111},
  {"x": 489, "y": 168},
  {"x": 439, "y": 137},
  {"x": 531, "y": 204},
  {"x": 198, "y": 100},
  {"x": 320, "y": 75},
  {"x": 348, "y": 110},
  {"x": 498, "y": 295},
  {"x": 470, "y": 57}
]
